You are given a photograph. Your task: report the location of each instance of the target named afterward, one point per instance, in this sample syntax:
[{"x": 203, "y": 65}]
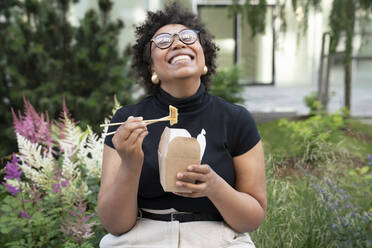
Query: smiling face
[{"x": 179, "y": 61}]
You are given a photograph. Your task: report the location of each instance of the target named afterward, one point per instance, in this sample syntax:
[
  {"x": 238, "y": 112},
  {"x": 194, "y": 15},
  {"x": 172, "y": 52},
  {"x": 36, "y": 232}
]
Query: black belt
[{"x": 180, "y": 216}]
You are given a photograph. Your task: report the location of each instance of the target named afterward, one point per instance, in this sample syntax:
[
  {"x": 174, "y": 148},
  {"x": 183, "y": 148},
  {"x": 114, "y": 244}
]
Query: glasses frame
[{"x": 179, "y": 38}]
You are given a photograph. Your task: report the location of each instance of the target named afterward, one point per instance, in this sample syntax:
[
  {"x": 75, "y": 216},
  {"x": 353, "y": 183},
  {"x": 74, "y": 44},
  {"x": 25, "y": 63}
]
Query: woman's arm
[
  {"x": 242, "y": 208},
  {"x": 121, "y": 170}
]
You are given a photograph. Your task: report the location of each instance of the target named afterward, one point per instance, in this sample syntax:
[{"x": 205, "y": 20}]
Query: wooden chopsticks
[{"x": 172, "y": 118}]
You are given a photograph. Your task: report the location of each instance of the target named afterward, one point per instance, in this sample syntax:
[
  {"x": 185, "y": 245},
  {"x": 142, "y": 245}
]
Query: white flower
[
  {"x": 37, "y": 165},
  {"x": 90, "y": 153}
]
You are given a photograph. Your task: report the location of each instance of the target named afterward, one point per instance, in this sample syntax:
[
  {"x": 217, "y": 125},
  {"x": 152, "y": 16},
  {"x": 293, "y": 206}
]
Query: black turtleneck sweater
[{"x": 230, "y": 131}]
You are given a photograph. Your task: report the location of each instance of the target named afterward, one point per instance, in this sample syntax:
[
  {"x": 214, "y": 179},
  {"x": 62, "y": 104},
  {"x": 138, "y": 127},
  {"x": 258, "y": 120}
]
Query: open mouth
[{"x": 180, "y": 58}]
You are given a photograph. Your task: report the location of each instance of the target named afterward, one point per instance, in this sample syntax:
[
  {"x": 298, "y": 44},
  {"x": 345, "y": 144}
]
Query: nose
[{"x": 177, "y": 43}]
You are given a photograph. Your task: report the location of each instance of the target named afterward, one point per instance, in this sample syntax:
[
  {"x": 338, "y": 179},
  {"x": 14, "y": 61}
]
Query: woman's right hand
[{"x": 128, "y": 142}]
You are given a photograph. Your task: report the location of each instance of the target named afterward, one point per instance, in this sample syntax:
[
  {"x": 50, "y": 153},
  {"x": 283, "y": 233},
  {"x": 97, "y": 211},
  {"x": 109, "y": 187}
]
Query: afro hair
[{"x": 173, "y": 13}]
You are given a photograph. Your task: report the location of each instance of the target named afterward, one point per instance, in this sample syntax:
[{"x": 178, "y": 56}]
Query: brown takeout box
[{"x": 176, "y": 152}]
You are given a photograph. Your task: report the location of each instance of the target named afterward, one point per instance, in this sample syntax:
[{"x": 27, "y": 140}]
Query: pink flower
[
  {"x": 56, "y": 187},
  {"x": 76, "y": 226},
  {"x": 86, "y": 218},
  {"x": 12, "y": 169},
  {"x": 65, "y": 183},
  {"x": 11, "y": 189},
  {"x": 33, "y": 127},
  {"x": 58, "y": 182},
  {"x": 25, "y": 215}
]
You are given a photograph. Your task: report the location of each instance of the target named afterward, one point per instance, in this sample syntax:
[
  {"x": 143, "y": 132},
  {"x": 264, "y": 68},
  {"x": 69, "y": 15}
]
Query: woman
[{"x": 175, "y": 57}]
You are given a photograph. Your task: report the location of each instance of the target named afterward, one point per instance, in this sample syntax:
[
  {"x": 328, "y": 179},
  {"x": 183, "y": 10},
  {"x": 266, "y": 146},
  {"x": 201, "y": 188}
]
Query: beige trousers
[{"x": 161, "y": 234}]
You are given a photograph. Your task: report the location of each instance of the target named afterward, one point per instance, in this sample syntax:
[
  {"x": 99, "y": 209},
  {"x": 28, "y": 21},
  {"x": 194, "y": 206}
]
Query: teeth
[{"x": 180, "y": 57}]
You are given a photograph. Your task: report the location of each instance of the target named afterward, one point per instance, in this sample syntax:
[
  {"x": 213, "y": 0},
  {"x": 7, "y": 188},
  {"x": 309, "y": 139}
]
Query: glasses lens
[
  {"x": 188, "y": 36},
  {"x": 163, "y": 40}
]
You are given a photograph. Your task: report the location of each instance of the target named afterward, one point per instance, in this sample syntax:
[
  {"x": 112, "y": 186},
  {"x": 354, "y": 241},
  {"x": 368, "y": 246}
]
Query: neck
[{"x": 181, "y": 88}]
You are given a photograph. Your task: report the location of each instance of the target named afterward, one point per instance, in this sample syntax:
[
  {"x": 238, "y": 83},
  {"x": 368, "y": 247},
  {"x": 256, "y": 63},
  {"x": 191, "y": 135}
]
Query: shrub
[
  {"x": 44, "y": 57},
  {"x": 313, "y": 103},
  {"x": 349, "y": 224},
  {"x": 53, "y": 182},
  {"x": 308, "y": 211},
  {"x": 226, "y": 85},
  {"x": 313, "y": 136},
  {"x": 294, "y": 218}
]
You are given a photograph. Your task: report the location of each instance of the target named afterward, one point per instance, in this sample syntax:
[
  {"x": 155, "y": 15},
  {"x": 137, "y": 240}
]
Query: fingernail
[
  {"x": 140, "y": 118},
  {"x": 130, "y": 117},
  {"x": 179, "y": 175},
  {"x": 190, "y": 167},
  {"x": 178, "y": 184}
]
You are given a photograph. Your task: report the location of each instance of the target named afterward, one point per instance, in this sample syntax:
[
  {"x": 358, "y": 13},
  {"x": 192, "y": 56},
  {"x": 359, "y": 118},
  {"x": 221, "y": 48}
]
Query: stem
[
  {"x": 350, "y": 13},
  {"x": 347, "y": 68},
  {"x": 28, "y": 220}
]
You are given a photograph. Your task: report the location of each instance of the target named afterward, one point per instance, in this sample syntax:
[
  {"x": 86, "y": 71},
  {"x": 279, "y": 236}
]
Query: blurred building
[{"x": 289, "y": 59}]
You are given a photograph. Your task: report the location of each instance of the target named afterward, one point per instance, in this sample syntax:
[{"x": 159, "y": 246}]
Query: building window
[{"x": 254, "y": 56}]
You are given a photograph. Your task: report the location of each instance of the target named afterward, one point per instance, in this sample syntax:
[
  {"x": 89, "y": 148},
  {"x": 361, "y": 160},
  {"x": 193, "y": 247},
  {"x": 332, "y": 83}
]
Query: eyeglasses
[{"x": 165, "y": 40}]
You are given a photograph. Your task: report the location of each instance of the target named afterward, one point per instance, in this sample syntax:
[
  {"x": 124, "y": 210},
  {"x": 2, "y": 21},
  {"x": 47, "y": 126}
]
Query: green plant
[
  {"x": 226, "y": 85},
  {"x": 44, "y": 57},
  {"x": 313, "y": 103},
  {"x": 313, "y": 136},
  {"x": 363, "y": 177},
  {"x": 328, "y": 205},
  {"x": 294, "y": 217},
  {"x": 306, "y": 210},
  {"x": 349, "y": 222},
  {"x": 53, "y": 182}
]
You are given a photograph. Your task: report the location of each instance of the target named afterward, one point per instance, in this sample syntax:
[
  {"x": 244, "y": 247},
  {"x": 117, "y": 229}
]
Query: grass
[
  {"x": 359, "y": 135},
  {"x": 274, "y": 143},
  {"x": 326, "y": 204}
]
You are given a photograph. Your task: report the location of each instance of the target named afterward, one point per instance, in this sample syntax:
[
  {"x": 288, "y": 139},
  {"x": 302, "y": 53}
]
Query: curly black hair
[{"x": 174, "y": 13}]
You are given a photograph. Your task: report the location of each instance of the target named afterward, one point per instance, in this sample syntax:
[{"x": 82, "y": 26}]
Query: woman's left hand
[{"x": 206, "y": 181}]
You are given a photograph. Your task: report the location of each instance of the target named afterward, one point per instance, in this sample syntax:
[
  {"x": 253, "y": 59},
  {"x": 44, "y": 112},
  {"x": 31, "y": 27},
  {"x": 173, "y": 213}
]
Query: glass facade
[
  {"x": 256, "y": 53},
  {"x": 253, "y": 55},
  {"x": 222, "y": 27},
  {"x": 292, "y": 63}
]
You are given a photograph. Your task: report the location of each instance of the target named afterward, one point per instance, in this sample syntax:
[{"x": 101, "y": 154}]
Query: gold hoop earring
[
  {"x": 205, "y": 70},
  {"x": 154, "y": 78}
]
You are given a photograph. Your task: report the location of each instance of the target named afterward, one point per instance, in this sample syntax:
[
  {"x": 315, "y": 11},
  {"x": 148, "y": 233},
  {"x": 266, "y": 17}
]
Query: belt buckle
[
  {"x": 173, "y": 218},
  {"x": 172, "y": 215}
]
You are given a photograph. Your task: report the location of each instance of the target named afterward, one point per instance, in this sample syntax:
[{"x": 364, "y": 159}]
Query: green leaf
[
  {"x": 368, "y": 177},
  {"x": 364, "y": 170},
  {"x": 352, "y": 173},
  {"x": 5, "y": 230},
  {"x": 6, "y": 208}
]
